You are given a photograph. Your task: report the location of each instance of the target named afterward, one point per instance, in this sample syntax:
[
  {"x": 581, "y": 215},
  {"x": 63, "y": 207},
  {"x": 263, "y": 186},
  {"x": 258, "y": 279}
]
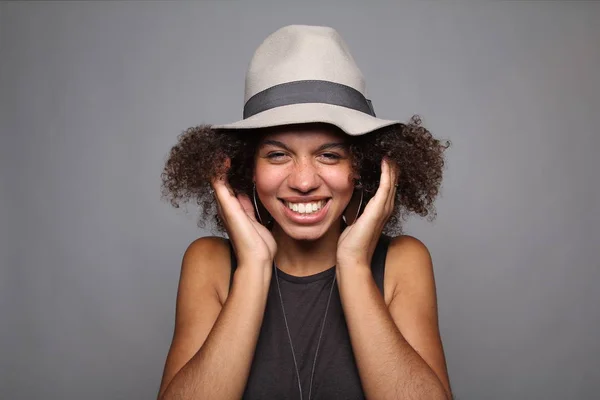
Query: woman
[{"x": 307, "y": 299}]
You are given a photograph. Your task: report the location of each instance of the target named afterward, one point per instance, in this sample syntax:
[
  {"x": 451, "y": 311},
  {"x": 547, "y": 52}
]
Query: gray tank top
[{"x": 273, "y": 375}]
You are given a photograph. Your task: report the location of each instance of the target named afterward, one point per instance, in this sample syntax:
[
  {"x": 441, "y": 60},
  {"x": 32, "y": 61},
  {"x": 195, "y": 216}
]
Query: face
[{"x": 304, "y": 178}]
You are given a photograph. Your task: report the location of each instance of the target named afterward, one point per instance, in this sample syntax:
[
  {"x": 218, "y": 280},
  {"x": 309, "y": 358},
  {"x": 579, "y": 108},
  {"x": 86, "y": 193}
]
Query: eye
[
  {"x": 276, "y": 156},
  {"x": 330, "y": 157}
]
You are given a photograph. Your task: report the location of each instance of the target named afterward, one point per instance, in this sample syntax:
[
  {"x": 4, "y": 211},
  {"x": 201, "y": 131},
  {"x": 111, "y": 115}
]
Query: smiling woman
[{"x": 310, "y": 297}]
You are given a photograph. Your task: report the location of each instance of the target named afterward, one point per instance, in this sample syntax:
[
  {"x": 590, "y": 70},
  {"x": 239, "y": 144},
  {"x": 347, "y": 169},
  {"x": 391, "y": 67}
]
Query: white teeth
[{"x": 305, "y": 208}]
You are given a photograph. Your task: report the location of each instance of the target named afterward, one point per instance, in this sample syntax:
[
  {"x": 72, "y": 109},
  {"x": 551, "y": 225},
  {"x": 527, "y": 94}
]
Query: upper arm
[
  {"x": 414, "y": 301},
  {"x": 204, "y": 271}
]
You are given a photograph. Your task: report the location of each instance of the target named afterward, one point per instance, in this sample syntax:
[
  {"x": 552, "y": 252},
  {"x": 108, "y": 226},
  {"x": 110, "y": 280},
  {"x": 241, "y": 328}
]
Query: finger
[
  {"x": 393, "y": 195},
  {"x": 247, "y": 206},
  {"x": 385, "y": 183},
  {"x": 387, "y": 186},
  {"x": 219, "y": 206},
  {"x": 221, "y": 180},
  {"x": 395, "y": 169},
  {"x": 379, "y": 200},
  {"x": 226, "y": 200},
  {"x": 393, "y": 176},
  {"x": 375, "y": 210}
]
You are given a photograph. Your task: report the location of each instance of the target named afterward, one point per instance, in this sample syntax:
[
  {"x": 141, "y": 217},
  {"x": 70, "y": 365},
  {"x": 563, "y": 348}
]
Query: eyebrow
[{"x": 326, "y": 146}]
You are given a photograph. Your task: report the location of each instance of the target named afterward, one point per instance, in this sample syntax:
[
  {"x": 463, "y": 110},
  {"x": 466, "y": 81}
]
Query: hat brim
[{"x": 352, "y": 122}]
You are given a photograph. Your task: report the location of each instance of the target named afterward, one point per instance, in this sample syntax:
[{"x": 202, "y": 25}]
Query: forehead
[{"x": 305, "y": 134}]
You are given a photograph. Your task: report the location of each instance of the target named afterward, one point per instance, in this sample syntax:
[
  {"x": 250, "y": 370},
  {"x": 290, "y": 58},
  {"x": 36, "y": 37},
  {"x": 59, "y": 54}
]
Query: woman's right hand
[{"x": 252, "y": 242}]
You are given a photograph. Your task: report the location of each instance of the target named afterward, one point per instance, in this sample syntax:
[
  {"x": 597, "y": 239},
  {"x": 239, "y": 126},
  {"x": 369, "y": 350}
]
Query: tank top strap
[{"x": 377, "y": 262}]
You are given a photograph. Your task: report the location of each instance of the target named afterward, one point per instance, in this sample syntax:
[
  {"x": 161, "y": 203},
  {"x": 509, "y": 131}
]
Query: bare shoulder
[
  {"x": 203, "y": 287},
  {"x": 408, "y": 267},
  {"x": 207, "y": 243},
  {"x": 207, "y": 262},
  {"x": 413, "y": 301}
]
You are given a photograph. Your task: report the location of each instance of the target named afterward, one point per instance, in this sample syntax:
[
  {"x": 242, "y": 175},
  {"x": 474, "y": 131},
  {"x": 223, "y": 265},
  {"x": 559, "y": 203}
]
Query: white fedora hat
[{"x": 303, "y": 74}]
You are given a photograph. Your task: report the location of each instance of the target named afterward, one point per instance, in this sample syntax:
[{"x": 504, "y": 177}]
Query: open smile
[
  {"x": 306, "y": 212},
  {"x": 305, "y": 208}
]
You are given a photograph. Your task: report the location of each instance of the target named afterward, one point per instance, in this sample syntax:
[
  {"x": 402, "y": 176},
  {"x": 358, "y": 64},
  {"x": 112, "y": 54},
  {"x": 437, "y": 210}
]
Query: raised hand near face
[
  {"x": 252, "y": 242},
  {"x": 358, "y": 241}
]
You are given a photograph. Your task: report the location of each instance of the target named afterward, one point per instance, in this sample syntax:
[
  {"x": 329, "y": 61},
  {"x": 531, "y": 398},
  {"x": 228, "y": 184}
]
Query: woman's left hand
[{"x": 358, "y": 241}]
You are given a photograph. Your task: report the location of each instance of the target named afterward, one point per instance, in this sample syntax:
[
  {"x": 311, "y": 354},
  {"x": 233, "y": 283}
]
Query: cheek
[
  {"x": 341, "y": 185},
  {"x": 338, "y": 180},
  {"x": 268, "y": 180}
]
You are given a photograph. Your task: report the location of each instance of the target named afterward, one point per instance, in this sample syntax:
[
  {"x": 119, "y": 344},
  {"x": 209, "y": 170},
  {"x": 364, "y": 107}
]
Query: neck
[{"x": 306, "y": 257}]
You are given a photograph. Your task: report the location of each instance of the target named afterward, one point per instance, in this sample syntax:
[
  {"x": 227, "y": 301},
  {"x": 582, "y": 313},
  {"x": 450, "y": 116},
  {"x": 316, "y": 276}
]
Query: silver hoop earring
[
  {"x": 256, "y": 203},
  {"x": 358, "y": 185}
]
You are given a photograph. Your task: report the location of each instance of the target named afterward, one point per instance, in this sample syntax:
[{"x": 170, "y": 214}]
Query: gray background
[{"x": 94, "y": 95}]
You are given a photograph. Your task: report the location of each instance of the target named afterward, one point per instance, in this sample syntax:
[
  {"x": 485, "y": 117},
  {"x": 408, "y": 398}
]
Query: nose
[{"x": 304, "y": 177}]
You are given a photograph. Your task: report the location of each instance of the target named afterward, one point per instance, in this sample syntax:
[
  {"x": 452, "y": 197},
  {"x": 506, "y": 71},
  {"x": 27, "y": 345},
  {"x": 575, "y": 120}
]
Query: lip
[{"x": 306, "y": 219}]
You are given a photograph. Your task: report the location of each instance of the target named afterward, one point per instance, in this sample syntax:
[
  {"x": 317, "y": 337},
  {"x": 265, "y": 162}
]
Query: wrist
[
  {"x": 353, "y": 267},
  {"x": 352, "y": 263},
  {"x": 259, "y": 272}
]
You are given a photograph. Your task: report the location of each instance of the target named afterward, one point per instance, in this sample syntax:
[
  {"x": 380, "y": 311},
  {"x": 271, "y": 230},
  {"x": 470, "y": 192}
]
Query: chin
[
  {"x": 307, "y": 233},
  {"x": 304, "y": 233}
]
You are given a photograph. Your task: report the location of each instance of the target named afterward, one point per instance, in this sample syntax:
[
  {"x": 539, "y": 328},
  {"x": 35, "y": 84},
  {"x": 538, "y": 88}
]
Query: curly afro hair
[{"x": 201, "y": 152}]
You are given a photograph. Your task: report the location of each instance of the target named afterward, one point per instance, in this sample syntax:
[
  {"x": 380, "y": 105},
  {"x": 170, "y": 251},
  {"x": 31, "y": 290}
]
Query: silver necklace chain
[{"x": 287, "y": 328}]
